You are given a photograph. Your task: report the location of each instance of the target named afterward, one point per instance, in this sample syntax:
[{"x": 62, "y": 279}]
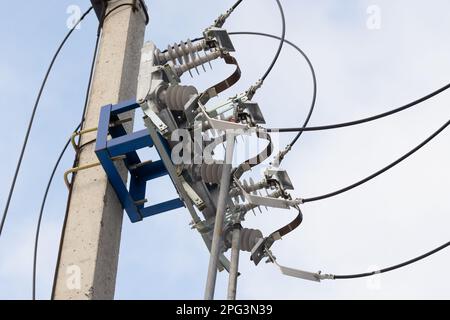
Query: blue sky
[{"x": 360, "y": 71}]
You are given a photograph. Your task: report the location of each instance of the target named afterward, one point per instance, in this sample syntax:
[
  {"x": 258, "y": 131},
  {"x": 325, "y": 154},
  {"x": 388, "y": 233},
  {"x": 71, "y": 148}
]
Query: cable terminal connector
[
  {"x": 252, "y": 90},
  {"x": 220, "y": 21},
  {"x": 280, "y": 156},
  {"x": 201, "y": 226},
  {"x": 305, "y": 275},
  {"x": 325, "y": 276}
]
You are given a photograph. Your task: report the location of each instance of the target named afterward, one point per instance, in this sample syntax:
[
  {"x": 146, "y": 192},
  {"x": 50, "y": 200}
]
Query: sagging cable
[{"x": 318, "y": 276}]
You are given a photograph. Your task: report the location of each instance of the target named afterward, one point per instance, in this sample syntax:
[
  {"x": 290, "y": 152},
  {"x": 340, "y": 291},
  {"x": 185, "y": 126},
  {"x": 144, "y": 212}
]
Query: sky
[{"x": 364, "y": 67}]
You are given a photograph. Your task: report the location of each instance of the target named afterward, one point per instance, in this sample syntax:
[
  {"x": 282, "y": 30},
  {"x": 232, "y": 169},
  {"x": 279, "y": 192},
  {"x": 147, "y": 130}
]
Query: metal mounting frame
[{"x": 126, "y": 144}]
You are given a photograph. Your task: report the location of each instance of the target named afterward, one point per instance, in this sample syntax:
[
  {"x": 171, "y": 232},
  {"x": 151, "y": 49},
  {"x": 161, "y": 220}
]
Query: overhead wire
[
  {"x": 80, "y": 147},
  {"x": 392, "y": 268},
  {"x": 38, "y": 227},
  {"x": 236, "y": 4},
  {"x": 381, "y": 171},
  {"x": 280, "y": 46},
  {"x": 364, "y": 120},
  {"x": 31, "y": 121},
  {"x": 49, "y": 183},
  {"x": 313, "y": 74},
  {"x": 326, "y": 276}
]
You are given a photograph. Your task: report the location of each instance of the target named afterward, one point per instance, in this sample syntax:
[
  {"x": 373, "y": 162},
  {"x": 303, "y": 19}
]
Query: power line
[
  {"x": 236, "y": 4},
  {"x": 364, "y": 120},
  {"x": 43, "y": 203},
  {"x": 66, "y": 145},
  {"x": 49, "y": 183},
  {"x": 38, "y": 228},
  {"x": 392, "y": 268},
  {"x": 30, "y": 124},
  {"x": 58, "y": 161},
  {"x": 379, "y": 172},
  {"x": 80, "y": 147},
  {"x": 280, "y": 47},
  {"x": 322, "y": 276},
  {"x": 313, "y": 73}
]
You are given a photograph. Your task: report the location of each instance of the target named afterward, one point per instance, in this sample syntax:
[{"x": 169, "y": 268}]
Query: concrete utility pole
[{"x": 88, "y": 260}]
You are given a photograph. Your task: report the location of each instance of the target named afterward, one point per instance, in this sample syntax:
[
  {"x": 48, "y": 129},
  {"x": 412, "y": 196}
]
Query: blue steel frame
[{"x": 126, "y": 144}]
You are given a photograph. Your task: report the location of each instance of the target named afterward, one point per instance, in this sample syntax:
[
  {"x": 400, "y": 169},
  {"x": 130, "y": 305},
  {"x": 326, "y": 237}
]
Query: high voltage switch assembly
[{"x": 210, "y": 187}]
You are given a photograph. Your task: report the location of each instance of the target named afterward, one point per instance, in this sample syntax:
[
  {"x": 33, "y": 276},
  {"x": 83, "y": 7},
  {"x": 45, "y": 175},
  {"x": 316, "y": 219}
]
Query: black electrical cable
[
  {"x": 38, "y": 228},
  {"x": 236, "y": 4},
  {"x": 30, "y": 124},
  {"x": 50, "y": 181},
  {"x": 117, "y": 8},
  {"x": 80, "y": 147},
  {"x": 311, "y": 67},
  {"x": 44, "y": 199},
  {"x": 364, "y": 120},
  {"x": 300, "y": 130},
  {"x": 379, "y": 172},
  {"x": 86, "y": 144},
  {"x": 398, "y": 266},
  {"x": 280, "y": 47}
]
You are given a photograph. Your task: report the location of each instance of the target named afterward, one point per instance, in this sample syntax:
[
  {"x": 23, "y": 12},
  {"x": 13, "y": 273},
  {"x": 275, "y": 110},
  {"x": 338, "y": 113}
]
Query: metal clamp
[
  {"x": 198, "y": 202},
  {"x": 85, "y": 167},
  {"x": 305, "y": 275},
  {"x": 80, "y": 133},
  {"x": 84, "y": 131},
  {"x": 157, "y": 122},
  {"x": 266, "y": 201}
]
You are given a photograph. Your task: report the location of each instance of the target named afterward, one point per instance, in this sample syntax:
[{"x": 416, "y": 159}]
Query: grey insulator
[
  {"x": 182, "y": 52},
  {"x": 249, "y": 237},
  {"x": 211, "y": 173},
  {"x": 176, "y": 97},
  {"x": 198, "y": 61}
]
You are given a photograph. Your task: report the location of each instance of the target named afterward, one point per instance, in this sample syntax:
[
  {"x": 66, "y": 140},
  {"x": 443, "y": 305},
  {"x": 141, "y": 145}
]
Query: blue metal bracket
[{"x": 126, "y": 144}]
